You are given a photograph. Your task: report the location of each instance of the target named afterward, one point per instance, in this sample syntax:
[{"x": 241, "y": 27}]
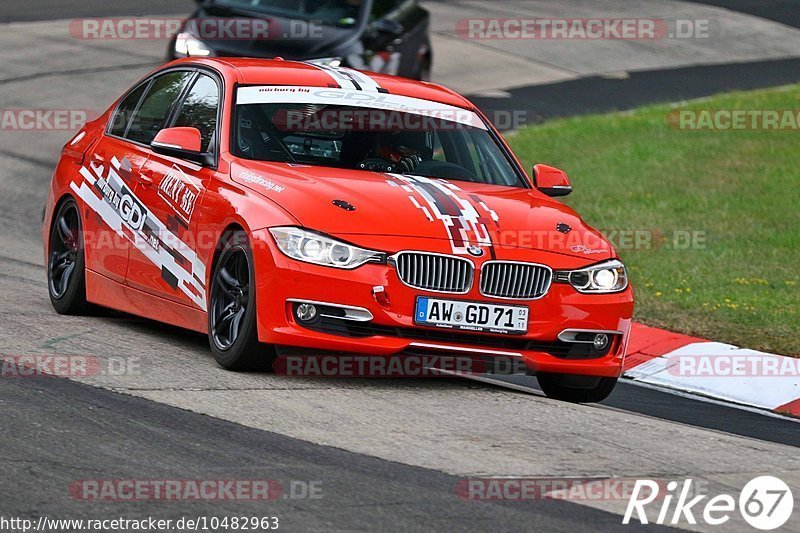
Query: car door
[
  {"x": 165, "y": 263},
  {"x": 110, "y": 172}
]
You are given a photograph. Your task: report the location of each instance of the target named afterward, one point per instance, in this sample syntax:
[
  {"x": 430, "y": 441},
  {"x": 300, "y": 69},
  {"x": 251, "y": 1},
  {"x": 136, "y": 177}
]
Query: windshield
[
  {"x": 329, "y": 12},
  {"x": 368, "y": 131}
]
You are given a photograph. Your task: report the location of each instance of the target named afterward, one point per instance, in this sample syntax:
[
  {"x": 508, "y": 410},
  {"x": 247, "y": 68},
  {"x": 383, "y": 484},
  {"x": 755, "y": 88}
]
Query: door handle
[{"x": 146, "y": 178}]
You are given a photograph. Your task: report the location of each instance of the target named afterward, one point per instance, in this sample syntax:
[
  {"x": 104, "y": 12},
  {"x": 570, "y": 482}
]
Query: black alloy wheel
[
  {"x": 66, "y": 273},
  {"x": 232, "y": 325},
  {"x": 230, "y": 297}
]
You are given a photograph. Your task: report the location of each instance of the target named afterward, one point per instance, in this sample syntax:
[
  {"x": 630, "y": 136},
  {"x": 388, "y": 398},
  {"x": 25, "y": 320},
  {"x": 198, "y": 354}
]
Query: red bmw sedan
[{"x": 278, "y": 205}]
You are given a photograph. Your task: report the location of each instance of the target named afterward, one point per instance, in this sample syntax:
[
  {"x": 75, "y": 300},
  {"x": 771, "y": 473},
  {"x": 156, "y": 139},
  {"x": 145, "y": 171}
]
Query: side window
[
  {"x": 438, "y": 149},
  {"x": 488, "y": 164},
  {"x": 381, "y": 8},
  {"x": 125, "y": 111},
  {"x": 155, "y": 107},
  {"x": 199, "y": 110}
]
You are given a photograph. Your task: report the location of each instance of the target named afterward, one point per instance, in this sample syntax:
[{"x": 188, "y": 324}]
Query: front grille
[
  {"x": 515, "y": 281},
  {"x": 433, "y": 272}
]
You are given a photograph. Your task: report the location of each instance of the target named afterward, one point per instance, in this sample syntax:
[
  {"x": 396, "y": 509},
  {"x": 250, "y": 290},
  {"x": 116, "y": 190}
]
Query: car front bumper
[{"x": 282, "y": 283}]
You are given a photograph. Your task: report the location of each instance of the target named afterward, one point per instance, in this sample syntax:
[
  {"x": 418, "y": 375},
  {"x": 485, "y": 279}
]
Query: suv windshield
[
  {"x": 342, "y": 129},
  {"x": 330, "y": 12}
]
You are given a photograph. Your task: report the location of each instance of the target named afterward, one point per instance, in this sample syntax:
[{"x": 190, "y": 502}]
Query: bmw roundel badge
[{"x": 475, "y": 251}]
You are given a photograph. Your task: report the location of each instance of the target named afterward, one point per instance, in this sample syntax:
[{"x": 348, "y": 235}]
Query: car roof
[{"x": 252, "y": 71}]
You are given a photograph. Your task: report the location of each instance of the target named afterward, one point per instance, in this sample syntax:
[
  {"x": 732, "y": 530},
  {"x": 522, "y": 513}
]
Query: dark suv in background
[{"x": 387, "y": 36}]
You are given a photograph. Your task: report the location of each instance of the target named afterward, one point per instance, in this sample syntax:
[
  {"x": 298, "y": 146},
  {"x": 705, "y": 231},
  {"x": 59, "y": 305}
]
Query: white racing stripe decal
[
  {"x": 125, "y": 214},
  {"x": 458, "y": 212},
  {"x": 267, "y": 94},
  {"x": 348, "y": 78}
]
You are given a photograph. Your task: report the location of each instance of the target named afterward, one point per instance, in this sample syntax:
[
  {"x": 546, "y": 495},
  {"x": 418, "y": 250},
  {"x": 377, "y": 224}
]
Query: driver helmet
[{"x": 400, "y": 146}]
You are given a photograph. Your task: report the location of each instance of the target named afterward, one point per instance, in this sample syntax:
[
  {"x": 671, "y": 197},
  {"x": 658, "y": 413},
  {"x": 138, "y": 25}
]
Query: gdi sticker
[{"x": 132, "y": 212}]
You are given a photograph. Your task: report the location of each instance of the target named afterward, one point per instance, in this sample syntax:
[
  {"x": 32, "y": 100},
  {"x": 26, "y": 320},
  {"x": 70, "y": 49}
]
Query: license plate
[{"x": 472, "y": 316}]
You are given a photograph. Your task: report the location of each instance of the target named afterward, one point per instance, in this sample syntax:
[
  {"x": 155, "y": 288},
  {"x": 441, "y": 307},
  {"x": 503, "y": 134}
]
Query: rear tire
[
  {"x": 576, "y": 389},
  {"x": 232, "y": 327},
  {"x": 66, "y": 262}
]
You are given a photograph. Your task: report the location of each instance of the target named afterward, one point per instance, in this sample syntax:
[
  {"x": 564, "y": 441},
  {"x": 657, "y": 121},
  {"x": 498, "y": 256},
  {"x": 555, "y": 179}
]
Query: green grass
[{"x": 741, "y": 189}]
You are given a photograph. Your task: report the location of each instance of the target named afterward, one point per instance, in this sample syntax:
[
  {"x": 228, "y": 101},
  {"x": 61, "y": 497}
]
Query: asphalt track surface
[
  {"x": 388, "y": 453},
  {"x": 783, "y": 11},
  {"x": 89, "y": 430},
  {"x": 30, "y": 10},
  {"x": 599, "y": 94}
]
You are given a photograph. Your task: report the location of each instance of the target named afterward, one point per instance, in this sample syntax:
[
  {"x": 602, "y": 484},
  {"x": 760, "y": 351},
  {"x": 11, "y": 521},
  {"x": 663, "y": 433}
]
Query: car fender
[{"x": 226, "y": 205}]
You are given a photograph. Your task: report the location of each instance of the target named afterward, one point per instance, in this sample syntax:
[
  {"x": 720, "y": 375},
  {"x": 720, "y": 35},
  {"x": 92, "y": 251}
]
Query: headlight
[
  {"x": 604, "y": 278},
  {"x": 326, "y": 61},
  {"x": 187, "y": 45},
  {"x": 314, "y": 248}
]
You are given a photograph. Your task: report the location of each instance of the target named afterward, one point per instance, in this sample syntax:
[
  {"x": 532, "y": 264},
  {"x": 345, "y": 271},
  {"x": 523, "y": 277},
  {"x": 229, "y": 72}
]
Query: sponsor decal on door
[{"x": 108, "y": 195}]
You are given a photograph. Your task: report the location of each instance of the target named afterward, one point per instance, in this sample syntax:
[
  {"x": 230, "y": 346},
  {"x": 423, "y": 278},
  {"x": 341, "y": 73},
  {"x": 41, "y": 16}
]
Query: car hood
[
  {"x": 350, "y": 203},
  {"x": 325, "y": 41}
]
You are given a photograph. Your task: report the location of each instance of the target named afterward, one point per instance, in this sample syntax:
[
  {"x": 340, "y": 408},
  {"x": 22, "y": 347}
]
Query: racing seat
[
  {"x": 250, "y": 139},
  {"x": 355, "y": 148}
]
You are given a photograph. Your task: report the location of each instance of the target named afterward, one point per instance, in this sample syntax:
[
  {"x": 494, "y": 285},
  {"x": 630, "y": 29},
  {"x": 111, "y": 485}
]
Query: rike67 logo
[{"x": 766, "y": 503}]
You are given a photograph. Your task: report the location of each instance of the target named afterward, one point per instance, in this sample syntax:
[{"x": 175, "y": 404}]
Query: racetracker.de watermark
[
  {"x": 631, "y": 29},
  {"x": 733, "y": 366},
  {"x": 67, "y": 366},
  {"x": 389, "y": 366},
  {"x": 45, "y": 119},
  {"x": 587, "y": 243},
  {"x": 208, "y": 29},
  {"x": 734, "y": 119},
  {"x": 187, "y": 490},
  {"x": 548, "y": 488},
  {"x": 622, "y": 239}
]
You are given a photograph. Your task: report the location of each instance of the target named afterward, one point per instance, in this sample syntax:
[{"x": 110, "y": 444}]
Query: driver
[{"x": 400, "y": 152}]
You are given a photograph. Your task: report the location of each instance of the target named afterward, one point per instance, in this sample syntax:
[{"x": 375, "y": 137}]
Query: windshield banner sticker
[{"x": 357, "y": 98}]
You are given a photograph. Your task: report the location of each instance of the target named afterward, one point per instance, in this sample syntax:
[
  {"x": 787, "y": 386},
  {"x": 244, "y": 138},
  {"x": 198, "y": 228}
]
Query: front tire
[
  {"x": 232, "y": 329},
  {"x": 576, "y": 389},
  {"x": 66, "y": 262}
]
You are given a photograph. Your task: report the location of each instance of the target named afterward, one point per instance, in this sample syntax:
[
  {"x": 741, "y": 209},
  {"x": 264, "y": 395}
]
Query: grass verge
[{"x": 723, "y": 208}]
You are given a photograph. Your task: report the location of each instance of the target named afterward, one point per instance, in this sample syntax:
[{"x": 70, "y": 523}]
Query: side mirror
[
  {"x": 551, "y": 181},
  {"x": 183, "y": 143}
]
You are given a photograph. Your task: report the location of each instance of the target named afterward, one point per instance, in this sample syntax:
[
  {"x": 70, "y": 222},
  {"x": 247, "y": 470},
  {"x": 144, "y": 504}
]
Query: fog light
[
  {"x": 307, "y": 312},
  {"x": 600, "y": 342}
]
